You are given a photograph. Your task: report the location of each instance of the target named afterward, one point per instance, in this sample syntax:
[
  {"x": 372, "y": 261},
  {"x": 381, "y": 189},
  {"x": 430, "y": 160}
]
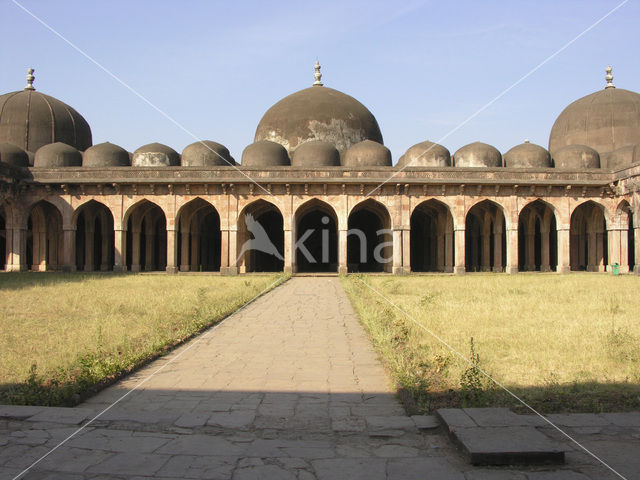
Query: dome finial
[
  {"x": 30, "y": 79},
  {"x": 609, "y": 78},
  {"x": 317, "y": 75}
]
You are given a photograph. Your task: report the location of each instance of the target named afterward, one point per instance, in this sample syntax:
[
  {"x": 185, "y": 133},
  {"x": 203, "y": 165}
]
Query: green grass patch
[
  {"x": 65, "y": 336},
  {"x": 562, "y": 343}
]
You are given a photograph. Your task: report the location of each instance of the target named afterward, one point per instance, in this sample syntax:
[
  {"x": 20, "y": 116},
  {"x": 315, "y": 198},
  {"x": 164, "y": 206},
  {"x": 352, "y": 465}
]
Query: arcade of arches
[{"x": 388, "y": 233}]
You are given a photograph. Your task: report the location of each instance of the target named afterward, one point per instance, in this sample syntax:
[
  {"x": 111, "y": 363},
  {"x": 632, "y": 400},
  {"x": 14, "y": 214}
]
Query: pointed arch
[
  {"x": 589, "y": 243},
  {"x": 199, "y": 236},
  {"x": 146, "y": 226},
  {"x": 316, "y": 237},
  {"x": 94, "y": 240},
  {"x": 485, "y": 239},
  {"x": 537, "y": 237},
  {"x": 369, "y": 238},
  {"x": 45, "y": 243},
  {"x": 431, "y": 237},
  {"x": 260, "y": 238}
]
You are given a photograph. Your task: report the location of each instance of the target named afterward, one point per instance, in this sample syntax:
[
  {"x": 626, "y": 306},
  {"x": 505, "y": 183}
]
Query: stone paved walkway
[{"x": 288, "y": 388}]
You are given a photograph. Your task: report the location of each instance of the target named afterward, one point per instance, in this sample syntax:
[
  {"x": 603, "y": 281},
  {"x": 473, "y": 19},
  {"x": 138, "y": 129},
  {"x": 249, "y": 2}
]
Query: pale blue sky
[{"x": 420, "y": 67}]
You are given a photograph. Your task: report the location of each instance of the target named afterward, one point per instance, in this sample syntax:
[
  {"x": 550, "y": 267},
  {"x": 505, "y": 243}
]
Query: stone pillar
[
  {"x": 89, "y": 234},
  {"x": 135, "y": 249},
  {"x": 613, "y": 243},
  {"x": 636, "y": 247},
  {"x": 406, "y": 250},
  {"x": 497, "y": 252},
  {"x": 624, "y": 250},
  {"x": 599, "y": 263},
  {"x": 485, "y": 262},
  {"x": 396, "y": 267},
  {"x": 172, "y": 251},
  {"x": 342, "y": 252},
  {"x": 195, "y": 251},
  {"x": 120, "y": 251},
  {"x": 545, "y": 253},
  {"x": 512, "y": 250},
  {"x": 104, "y": 260},
  {"x": 149, "y": 238},
  {"x": 460, "y": 250},
  {"x": 529, "y": 252},
  {"x": 224, "y": 251},
  {"x": 448, "y": 252},
  {"x": 184, "y": 251},
  {"x": 232, "y": 269},
  {"x": 17, "y": 248},
  {"x": 564, "y": 250},
  {"x": 289, "y": 252},
  {"x": 69, "y": 256}
]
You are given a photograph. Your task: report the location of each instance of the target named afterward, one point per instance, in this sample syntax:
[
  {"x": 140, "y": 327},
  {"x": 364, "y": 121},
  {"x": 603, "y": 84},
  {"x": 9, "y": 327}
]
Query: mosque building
[{"x": 320, "y": 185}]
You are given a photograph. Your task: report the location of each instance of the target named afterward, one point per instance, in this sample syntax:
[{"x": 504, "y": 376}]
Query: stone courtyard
[{"x": 287, "y": 388}]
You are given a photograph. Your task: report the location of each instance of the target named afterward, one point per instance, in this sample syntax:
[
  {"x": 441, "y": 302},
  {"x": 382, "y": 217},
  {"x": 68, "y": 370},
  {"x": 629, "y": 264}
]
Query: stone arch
[
  {"x": 45, "y": 241},
  {"x": 537, "y": 237},
  {"x": 199, "y": 237},
  {"x": 94, "y": 239},
  {"x": 4, "y": 254},
  {"x": 431, "y": 237},
  {"x": 625, "y": 239},
  {"x": 260, "y": 238},
  {"x": 369, "y": 238},
  {"x": 146, "y": 244},
  {"x": 485, "y": 239},
  {"x": 316, "y": 237},
  {"x": 588, "y": 245}
]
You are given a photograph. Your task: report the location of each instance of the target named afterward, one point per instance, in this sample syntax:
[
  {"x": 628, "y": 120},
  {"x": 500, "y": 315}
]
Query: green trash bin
[{"x": 615, "y": 269}]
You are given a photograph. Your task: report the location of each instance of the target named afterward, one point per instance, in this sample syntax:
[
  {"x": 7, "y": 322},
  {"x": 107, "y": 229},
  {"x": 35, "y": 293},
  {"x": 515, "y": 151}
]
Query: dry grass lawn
[
  {"x": 561, "y": 342},
  {"x": 62, "y": 335}
]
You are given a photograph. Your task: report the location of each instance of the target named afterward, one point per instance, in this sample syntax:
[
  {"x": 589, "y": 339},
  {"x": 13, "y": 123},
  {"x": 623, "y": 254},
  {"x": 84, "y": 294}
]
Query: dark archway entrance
[
  {"x": 44, "y": 237},
  {"x": 261, "y": 238},
  {"x": 146, "y": 238},
  {"x": 537, "y": 238},
  {"x": 485, "y": 242},
  {"x": 199, "y": 237},
  {"x": 369, "y": 243},
  {"x": 94, "y": 238},
  {"x": 589, "y": 246},
  {"x": 317, "y": 239},
  {"x": 432, "y": 238}
]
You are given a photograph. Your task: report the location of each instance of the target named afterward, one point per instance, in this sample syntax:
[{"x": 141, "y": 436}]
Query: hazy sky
[{"x": 422, "y": 68}]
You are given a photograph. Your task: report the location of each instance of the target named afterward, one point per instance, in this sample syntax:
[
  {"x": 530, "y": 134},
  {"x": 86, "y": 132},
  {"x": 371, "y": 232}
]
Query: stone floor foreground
[{"x": 287, "y": 388}]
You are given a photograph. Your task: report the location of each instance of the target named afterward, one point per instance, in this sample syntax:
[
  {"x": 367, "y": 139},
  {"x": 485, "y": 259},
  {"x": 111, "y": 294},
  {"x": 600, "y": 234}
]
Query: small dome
[
  {"x": 367, "y": 154},
  {"x": 12, "y": 155},
  {"x": 620, "y": 158},
  {"x": 576, "y": 156},
  {"x": 605, "y": 121},
  {"x": 265, "y": 154},
  {"x": 105, "y": 155},
  {"x": 206, "y": 154},
  {"x": 527, "y": 155},
  {"x": 56, "y": 155},
  {"x": 155, "y": 155},
  {"x": 315, "y": 153},
  {"x": 425, "y": 154},
  {"x": 477, "y": 154},
  {"x": 30, "y": 120}
]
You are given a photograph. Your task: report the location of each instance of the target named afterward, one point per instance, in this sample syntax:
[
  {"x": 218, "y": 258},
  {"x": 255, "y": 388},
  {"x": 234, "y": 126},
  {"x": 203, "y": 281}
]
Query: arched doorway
[
  {"x": 146, "y": 238},
  {"x": 199, "y": 237},
  {"x": 260, "y": 238},
  {"x": 369, "y": 240},
  {"x": 3, "y": 240},
  {"x": 589, "y": 248},
  {"x": 432, "y": 238},
  {"x": 44, "y": 237},
  {"x": 94, "y": 237},
  {"x": 626, "y": 237},
  {"x": 537, "y": 238},
  {"x": 316, "y": 238},
  {"x": 485, "y": 242}
]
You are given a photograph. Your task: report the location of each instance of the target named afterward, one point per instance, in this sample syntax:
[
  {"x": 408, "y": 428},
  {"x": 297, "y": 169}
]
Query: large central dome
[{"x": 318, "y": 113}]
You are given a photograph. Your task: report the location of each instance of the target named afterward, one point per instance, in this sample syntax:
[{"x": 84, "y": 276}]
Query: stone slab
[
  {"x": 425, "y": 422},
  {"x": 508, "y": 446}
]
